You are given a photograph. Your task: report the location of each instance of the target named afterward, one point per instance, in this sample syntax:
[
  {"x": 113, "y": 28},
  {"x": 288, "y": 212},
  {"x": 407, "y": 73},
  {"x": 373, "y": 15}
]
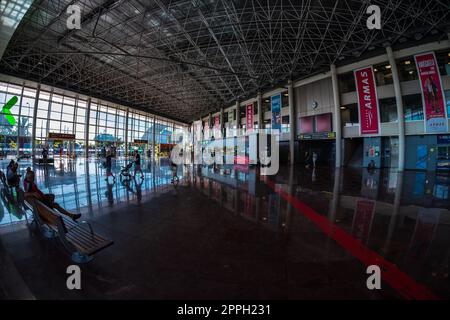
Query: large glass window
[
  {"x": 388, "y": 110},
  {"x": 407, "y": 70},
  {"x": 285, "y": 124},
  {"x": 284, "y": 100},
  {"x": 383, "y": 74},
  {"x": 412, "y": 107},
  {"x": 66, "y": 113},
  {"x": 443, "y": 61},
  {"x": 346, "y": 82},
  {"x": 349, "y": 115}
]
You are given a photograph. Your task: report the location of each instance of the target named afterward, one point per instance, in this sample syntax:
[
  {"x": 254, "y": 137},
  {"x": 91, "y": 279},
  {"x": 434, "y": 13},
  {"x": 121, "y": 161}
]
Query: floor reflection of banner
[
  {"x": 206, "y": 186},
  {"x": 362, "y": 220},
  {"x": 432, "y": 93},
  {"x": 274, "y": 209},
  {"x": 426, "y": 226},
  {"x": 229, "y": 198},
  {"x": 216, "y": 190},
  {"x": 249, "y": 201}
]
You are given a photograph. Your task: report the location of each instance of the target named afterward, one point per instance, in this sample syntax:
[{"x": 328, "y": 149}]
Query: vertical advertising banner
[
  {"x": 249, "y": 117},
  {"x": 276, "y": 112},
  {"x": 217, "y": 122},
  {"x": 369, "y": 115},
  {"x": 217, "y": 131},
  {"x": 432, "y": 94}
]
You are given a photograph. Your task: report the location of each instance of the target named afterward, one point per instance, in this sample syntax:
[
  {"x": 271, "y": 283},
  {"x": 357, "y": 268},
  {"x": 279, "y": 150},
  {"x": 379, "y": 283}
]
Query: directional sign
[{"x": 7, "y": 110}]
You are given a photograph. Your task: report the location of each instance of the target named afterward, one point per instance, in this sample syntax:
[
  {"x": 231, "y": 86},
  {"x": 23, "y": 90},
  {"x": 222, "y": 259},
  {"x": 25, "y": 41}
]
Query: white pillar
[
  {"x": 86, "y": 130},
  {"x": 33, "y": 128},
  {"x": 126, "y": 132},
  {"x": 210, "y": 130},
  {"x": 222, "y": 123},
  {"x": 238, "y": 118},
  {"x": 153, "y": 141},
  {"x": 19, "y": 122},
  {"x": 292, "y": 121},
  {"x": 400, "y": 113},
  {"x": 260, "y": 112},
  {"x": 337, "y": 116}
]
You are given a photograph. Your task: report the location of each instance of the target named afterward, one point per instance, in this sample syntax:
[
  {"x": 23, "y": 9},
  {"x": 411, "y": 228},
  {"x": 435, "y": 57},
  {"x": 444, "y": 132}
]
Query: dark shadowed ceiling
[{"x": 183, "y": 59}]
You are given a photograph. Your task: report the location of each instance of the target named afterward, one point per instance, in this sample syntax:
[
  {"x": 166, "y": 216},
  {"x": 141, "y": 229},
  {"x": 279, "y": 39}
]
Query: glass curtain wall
[{"x": 67, "y": 114}]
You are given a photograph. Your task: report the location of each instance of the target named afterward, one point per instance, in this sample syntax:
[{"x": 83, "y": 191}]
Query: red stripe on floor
[{"x": 407, "y": 287}]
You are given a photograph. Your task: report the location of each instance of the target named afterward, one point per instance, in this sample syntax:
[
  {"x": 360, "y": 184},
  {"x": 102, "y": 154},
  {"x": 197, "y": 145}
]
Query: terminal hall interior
[{"x": 224, "y": 149}]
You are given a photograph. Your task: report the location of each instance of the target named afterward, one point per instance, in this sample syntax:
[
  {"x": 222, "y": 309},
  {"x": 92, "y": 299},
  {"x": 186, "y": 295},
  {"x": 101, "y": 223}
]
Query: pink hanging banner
[
  {"x": 249, "y": 117},
  {"x": 217, "y": 122},
  {"x": 369, "y": 115},
  {"x": 432, "y": 93}
]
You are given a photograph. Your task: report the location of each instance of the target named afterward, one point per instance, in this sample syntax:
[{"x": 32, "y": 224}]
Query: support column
[
  {"x": 222, "y": 123},
  {"x": 19, "y": 121},
  {"x": 260, "y": 112},
  {"x": 86, "y": 131},
  {"x": 209, "y": 126},
  {"x": 33, "y": 128},
  {"x": 337, "y": 116},
  {"x": 238, "y": 118},
  {"x": 395, "y": 212},
  {"x": 126, "y": 132},
  {"x": 400, "y": 113},
  {"x": 292, "y": 121},
  {"x": 153, "y": 140}
]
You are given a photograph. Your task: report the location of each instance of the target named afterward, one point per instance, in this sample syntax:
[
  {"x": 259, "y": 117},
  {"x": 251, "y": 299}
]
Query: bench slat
[
  {"x": 86, "y": 248},
  {"x": 86, "y": 234}
]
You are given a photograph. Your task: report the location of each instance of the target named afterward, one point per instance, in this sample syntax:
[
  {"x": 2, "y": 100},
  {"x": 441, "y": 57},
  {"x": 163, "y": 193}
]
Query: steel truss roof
[{"x": 183, "y": 59}]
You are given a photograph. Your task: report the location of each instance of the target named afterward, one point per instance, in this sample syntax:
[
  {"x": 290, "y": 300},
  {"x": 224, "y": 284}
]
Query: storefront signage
[
  {"x": 249, "y": 117},
  {"x": 443, "y": 139},
  {"x": 317, "y": 136},
  {"x": 140, "y": 141},
  {"x": 276, "y": 112},
  {"x": 369, "y": 114},
  {"x": 61, "y": 136},
  {"x": 432, "y": 94}
]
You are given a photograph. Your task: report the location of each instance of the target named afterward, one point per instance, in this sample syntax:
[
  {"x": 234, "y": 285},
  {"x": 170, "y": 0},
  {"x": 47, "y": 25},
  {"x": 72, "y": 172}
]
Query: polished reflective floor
[{"x": 233, "y": 234}]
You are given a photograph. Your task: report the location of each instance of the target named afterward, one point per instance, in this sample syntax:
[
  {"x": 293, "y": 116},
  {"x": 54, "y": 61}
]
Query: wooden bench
[{"x": 77, "y": 237}]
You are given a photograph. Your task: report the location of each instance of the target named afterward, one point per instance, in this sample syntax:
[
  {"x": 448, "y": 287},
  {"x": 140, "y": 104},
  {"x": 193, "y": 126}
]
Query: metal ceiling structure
[{"x": 185, "y": 58}]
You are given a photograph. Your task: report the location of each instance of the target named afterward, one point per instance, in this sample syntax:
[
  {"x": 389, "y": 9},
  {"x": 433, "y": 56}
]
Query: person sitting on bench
[
  {"x": 11, "y": 174},
  {"x": 48, "y": 199}
]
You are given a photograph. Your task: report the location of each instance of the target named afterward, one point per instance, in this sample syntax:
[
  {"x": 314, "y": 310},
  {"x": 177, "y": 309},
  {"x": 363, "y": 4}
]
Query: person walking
[
  {"x": 314, "y": 159},
  {"x": 137, "y": 164}
]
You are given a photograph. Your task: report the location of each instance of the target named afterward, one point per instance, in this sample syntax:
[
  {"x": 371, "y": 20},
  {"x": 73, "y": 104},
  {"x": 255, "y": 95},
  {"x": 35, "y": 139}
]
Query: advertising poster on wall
[
  {"x": 432, "y": 94},
  {"x": 369, "y": 114},
  {"x": 276, "y": 112},
  {"x": 249, "y": 117}
]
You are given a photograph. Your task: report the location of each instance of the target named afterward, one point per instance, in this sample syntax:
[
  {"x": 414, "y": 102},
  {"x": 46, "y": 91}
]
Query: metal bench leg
[
  {"x": 78, "y": 257},
  {"x": 48, "y": 233}
]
